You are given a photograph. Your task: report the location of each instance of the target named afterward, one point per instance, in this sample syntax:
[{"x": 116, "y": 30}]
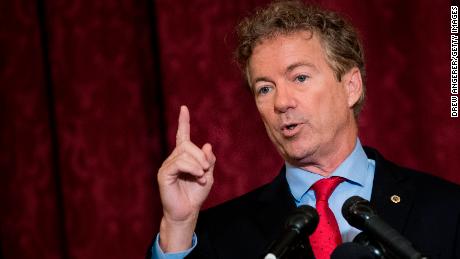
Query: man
[{"x": 305, "y": 67}]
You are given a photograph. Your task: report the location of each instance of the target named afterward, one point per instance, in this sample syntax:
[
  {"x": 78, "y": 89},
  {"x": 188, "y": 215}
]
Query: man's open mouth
[{"x": 291, "y": 129}]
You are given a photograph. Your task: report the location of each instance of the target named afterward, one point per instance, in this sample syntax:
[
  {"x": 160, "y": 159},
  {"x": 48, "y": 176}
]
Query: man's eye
[
  {"x": 301, "y": 78},
  {"x": 264, "y": 90}
]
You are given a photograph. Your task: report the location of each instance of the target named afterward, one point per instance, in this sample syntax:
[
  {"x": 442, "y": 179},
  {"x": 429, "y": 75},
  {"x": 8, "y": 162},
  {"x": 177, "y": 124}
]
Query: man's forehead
[{"x": 284, "y": 43}]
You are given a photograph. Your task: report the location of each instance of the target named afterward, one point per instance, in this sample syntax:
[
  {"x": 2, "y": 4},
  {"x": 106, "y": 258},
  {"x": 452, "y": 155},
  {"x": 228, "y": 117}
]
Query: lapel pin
[{"x": 395, "y": 199}]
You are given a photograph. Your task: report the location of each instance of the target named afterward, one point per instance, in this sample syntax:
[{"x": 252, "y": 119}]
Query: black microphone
[
  {"x": 353, "y": 251},
  {"x": 374, "y": 246},
  {"x": 301, "y": 222},
  {"x": 360, "y": 214}
]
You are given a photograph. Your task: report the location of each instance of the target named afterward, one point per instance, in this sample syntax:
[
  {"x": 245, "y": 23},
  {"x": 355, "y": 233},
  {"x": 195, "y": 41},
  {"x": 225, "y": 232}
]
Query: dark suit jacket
[{"x": 428, "y": 214}]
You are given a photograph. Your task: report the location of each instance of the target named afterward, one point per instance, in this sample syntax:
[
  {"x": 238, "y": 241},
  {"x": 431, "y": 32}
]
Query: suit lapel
[
  {"x": 392, "y": 192},
  {"x": 275, "y": 203}
]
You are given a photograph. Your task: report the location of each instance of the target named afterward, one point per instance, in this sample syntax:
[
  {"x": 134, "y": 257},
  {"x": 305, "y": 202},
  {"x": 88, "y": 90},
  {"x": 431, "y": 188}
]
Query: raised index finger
[{"x": 183, "y": 129}]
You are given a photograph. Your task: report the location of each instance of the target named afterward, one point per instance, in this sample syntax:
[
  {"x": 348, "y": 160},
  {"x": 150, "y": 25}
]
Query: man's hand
[{"x": 185, "y": 179}]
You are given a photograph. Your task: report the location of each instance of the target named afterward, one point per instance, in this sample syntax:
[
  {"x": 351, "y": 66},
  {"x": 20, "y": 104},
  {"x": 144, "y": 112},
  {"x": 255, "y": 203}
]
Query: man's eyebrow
[
  {"x": 299, "y": 64},
  {"x": 262, "y": 79},
  {"x": 288, "y": 69}
]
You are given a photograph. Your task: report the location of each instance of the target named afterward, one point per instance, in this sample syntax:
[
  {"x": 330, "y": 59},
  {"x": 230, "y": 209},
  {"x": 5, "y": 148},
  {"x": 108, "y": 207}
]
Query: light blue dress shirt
[
  {"x": 157, "y": 253},
  {"x": 358, "y": 171}
]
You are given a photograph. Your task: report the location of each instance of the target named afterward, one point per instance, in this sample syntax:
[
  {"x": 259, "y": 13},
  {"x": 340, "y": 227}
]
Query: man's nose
[{"x": 284, "y": 99}]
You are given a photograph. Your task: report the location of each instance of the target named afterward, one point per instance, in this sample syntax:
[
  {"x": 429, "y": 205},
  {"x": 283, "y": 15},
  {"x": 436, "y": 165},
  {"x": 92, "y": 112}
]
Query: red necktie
[{"x": 327, "y": 235}]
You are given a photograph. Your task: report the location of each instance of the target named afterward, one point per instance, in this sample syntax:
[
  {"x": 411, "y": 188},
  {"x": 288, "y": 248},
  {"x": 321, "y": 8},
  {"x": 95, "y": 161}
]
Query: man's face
[{"x": 306, "y": 110}]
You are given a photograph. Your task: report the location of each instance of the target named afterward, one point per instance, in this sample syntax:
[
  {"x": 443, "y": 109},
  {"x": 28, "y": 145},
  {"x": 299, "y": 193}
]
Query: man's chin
[{"x": 298, "y": 157}]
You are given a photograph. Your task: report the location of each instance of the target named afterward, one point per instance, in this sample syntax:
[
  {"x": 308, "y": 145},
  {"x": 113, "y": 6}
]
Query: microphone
[
  {"x": 301, "y": 222},
  {"x": 360, "y": 214},
  {"x": 351, "y": 250},
  {"x": 374, "y": 246}
]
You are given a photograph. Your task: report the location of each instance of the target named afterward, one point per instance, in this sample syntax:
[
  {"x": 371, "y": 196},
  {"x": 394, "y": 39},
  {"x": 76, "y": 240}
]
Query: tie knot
[{"x": 323, "y": 188}]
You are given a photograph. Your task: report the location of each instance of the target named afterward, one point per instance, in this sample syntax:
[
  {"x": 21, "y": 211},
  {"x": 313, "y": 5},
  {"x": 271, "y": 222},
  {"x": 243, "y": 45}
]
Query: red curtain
[{"x": 90, "y": 92}]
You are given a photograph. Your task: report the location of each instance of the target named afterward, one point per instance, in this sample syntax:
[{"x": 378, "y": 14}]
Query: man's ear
[{"x": 353, "y": 84}]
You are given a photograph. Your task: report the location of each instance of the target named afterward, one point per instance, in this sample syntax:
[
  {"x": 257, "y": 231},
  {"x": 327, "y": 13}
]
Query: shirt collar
[{"x": 353, "y": 169}]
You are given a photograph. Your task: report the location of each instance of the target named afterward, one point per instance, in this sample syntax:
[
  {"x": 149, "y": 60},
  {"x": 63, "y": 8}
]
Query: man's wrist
[
  {"x": 176, "y": 236},
  {"x": 157, "y": 252}
]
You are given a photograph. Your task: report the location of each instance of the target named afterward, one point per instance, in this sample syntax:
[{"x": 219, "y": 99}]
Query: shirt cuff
[{"x": 157, "y": 253}]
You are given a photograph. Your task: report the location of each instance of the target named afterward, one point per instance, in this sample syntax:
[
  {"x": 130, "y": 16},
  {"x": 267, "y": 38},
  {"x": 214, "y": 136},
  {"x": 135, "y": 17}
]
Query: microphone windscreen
[
  {"x": 356, "y": 210},
  {"x": 352, "y": 251},
  {"x": 304, "y": 219}
]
